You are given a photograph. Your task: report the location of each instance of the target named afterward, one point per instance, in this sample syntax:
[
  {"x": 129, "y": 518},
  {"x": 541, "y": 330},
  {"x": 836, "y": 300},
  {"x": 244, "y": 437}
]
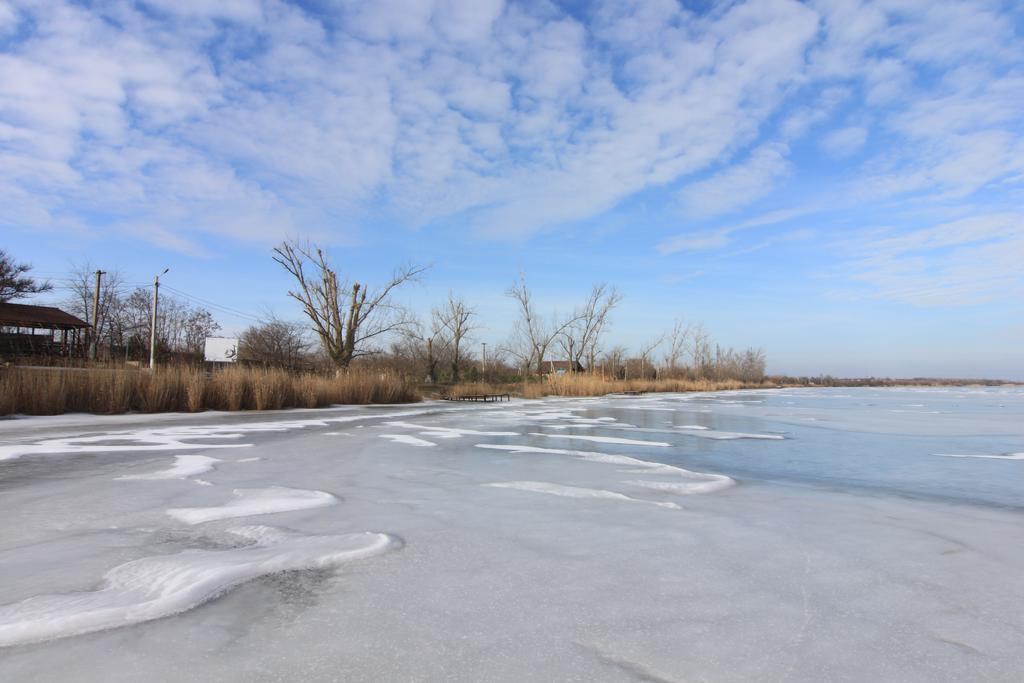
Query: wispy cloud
[
  {"x": 961, "y": 262},
  {"x": 738, "y": 185},
  {"x": 845, "y": 141},
  {"x": 255, "y": 118},
  {"x": 520, "y": 115},
  {"x": 695, "y": 242}
]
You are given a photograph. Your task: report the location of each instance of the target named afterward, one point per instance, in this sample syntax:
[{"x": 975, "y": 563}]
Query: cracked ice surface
[{"x": 847, "y": 546}]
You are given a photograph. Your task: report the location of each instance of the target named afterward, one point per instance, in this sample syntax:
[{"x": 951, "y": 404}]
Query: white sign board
[{"x": 221, "y": 350}]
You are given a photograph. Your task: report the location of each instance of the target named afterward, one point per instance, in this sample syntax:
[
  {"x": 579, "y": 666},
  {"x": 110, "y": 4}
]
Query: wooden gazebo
[{"x": 40, "y": 330}]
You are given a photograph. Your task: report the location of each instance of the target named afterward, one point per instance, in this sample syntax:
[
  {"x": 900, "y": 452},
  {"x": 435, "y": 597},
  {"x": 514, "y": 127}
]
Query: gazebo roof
[{"x": 23, "y": 315}]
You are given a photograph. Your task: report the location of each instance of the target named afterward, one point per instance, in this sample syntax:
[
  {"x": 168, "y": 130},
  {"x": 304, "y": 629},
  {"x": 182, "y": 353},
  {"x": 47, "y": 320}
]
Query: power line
[
  {"x": 73, "y": 283},
  {"x": 221, "y": 307}
]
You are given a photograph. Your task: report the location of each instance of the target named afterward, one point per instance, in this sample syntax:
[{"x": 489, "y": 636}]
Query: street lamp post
[{"x": 152, "y": 322}]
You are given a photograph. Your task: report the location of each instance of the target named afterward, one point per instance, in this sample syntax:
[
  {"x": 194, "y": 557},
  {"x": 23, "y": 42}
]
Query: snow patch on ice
[
  {"x": 159, "y": 586},
  {"x": 604, "y": 439},
  {"x": 701, "y": 482},
  {"x": 256, "y": 502},
  {"x": 143, "y": 442},
  {"x": 705, "y": 433},
  {"x": 687, "y": 488},
  {"x": 1002, "y": 456},
  {"x": 407, "y": 440},
  {"x": 447, "y": 432},
  {"x": 574, "y": 492},
  {"x": 178, "y": 437},
  {"x": 184, "y": 466}
]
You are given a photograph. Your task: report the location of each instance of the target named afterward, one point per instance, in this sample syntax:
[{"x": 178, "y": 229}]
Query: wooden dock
[{"x": 486, "y": 398}]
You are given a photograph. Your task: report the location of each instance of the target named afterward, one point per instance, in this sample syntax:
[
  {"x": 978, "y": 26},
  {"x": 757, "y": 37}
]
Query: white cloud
[
  {"x": 235, "y": 10},
  {"x": 8, "y": 17},
  {"x": 844, "y": 142},
  {"x": 695, "y": 242},
  {"x": 468, "y": 21},
  {"x": 805, "y": 117},
  {"x": 513, "y": 117},
  {"x": 738, "y": 185},
  {"x": 961, "y": 262}
]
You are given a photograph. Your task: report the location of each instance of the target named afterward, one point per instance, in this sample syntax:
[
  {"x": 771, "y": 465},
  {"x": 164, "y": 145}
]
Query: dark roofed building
[{"x": 40, "y": 330}]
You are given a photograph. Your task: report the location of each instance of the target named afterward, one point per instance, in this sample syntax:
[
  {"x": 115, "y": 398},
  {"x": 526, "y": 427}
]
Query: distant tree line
[
  {"x": 124, "y": 316},
  {"x": 355, "y": 322},
  {"x": 349, "y": 321}
]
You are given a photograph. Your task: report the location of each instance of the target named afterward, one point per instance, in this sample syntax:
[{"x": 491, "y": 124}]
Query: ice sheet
[
  {"x": 408, "y": 440},
  {"x": 573, "y": 492},
  {"x": 447, "y": 432},
  {"x": 705, "y": 482},
  {"x": 706, "y": 433},
  {"x": 848, "y": 551},
  {"x": 1001, "y": 456},
  {"x": 158, "y": 586},
  {"x": 604, "y": 439},
  {"x": 180, "y": 437}
]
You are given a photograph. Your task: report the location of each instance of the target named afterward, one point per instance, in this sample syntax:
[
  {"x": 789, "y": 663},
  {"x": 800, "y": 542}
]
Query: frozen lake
[{"x": 797, "y": 535}]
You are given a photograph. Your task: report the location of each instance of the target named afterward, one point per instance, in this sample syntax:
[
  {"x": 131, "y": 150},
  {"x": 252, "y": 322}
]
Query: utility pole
[
  {"x": 152, "y": 323},
  {"x": 483, "y": 362},
  {"x": 93, "y": 347}
]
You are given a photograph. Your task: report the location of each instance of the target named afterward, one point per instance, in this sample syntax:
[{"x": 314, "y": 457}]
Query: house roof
[{"x": 23, "y": 315}]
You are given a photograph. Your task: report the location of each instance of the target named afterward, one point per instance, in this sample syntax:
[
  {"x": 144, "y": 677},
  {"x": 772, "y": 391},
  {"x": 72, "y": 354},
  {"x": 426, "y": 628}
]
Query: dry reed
[
  {"x": 52, "y": 391},
  {"x": 475, "y": 389},
  {"x": 595, "y": 385}
]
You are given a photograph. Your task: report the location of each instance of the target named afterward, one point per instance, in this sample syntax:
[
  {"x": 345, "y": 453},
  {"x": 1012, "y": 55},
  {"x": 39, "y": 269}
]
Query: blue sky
[{"x": 838, "y": 182}]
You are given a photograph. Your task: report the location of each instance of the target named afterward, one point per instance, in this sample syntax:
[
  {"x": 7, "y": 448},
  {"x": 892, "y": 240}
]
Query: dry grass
[
  {"x": 594, "y": 385},
  {"x": 31, "y": 391},
  {"x": 477, "y": 388}
]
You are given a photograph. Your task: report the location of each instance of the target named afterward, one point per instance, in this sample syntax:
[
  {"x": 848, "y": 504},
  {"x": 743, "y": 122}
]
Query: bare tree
[
  {"x": 275, "y": 342},
  {"x": 80, "y": 302},
  {"x": 532, "y": 335},
  {"x": 581, "y": 338},
  {"x": 455, "y": 318},
  {"x": 348, "y": 317},
  {"x": 678, "y": 340},
  {"x": 129, "y": 322},
  {"x": 700, "y": 351},
  {"x": 752, "y": 365},
  {"x": 15, "y": 282},
  {"x": 197, "y": 325},
  {"x": 428, "y": 342},
  {"x": 614, "y": 360},
  {"x": 645, "y": 352},
  {"x": 180, "y": 327}
]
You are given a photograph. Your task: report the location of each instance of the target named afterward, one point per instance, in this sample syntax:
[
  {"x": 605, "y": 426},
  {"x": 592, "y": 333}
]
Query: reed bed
[
  {"x": 52, "y": 391},
  {"x": 594, "y": 385},
  {"x": 478, "y": 388}
]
